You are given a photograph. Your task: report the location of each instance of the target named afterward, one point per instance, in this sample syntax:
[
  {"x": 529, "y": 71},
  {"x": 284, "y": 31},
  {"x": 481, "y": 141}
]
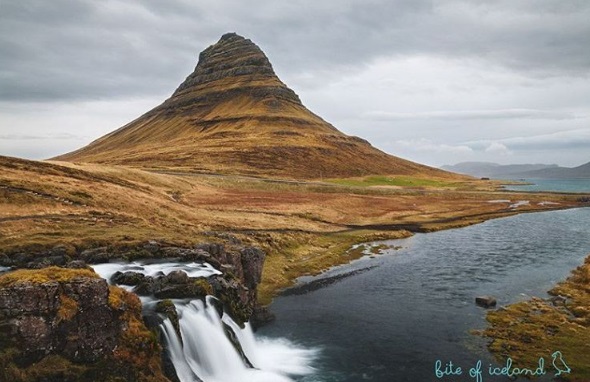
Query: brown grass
[
  {"x": 44, "y": 275},
  {"x": 527, "y": 330},
  {"x": 238, "y": 133}
]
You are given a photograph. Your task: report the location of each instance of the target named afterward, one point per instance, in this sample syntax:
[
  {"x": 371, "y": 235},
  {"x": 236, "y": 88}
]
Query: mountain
[
  {"x": 494, "y": 170},
  {"x": 233, "y": 115},
  {"x": 580, "y": 172}
]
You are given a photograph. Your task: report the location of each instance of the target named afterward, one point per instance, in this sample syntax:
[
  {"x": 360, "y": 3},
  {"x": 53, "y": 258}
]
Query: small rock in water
[{"x": 485, "y": 301}]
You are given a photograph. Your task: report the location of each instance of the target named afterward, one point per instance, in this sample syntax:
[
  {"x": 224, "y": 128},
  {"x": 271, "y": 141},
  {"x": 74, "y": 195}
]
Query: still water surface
[{"x": 394, "y": 321}]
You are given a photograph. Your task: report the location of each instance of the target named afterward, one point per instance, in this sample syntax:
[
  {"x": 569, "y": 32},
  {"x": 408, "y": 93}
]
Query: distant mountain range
[{"x": 519, "y": 171}]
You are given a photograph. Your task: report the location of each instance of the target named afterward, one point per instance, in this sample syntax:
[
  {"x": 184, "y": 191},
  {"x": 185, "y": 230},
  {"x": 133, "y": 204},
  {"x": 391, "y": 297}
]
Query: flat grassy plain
[{"x": 304, "y": 226}]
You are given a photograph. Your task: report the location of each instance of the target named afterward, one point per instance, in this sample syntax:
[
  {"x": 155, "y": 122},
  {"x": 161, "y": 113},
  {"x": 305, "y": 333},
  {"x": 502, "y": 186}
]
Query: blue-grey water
[
  {"x": 394, "y": 321},
  {"x": 557, "y": 185}
]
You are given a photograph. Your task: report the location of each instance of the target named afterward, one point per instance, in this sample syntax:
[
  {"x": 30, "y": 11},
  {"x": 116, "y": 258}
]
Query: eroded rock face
[
  {"x": 239, "y": 60},
  {"x": 74, "y": 325},
  {"x": 72, "y": 319},
  {"x": 252, "y": 260}
]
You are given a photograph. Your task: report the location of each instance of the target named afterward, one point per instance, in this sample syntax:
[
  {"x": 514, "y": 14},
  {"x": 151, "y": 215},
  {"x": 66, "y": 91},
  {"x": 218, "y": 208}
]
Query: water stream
[{"x": 414, "y": 306}]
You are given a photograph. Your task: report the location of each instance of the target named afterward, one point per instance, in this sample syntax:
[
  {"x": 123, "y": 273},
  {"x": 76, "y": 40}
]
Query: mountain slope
[{"x": 233, "y": 115}]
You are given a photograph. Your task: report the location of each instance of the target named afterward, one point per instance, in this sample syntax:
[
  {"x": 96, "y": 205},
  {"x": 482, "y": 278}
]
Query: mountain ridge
[
  {"x": 516, "y": 171},
  {"x": 233, "y": 115},
  {"x": 579, "y": 172},
  {"x": 494, "y": 170}
]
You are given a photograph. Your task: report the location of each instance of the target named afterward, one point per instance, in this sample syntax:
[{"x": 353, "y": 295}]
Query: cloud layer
[{"x": 463, "y": 78}]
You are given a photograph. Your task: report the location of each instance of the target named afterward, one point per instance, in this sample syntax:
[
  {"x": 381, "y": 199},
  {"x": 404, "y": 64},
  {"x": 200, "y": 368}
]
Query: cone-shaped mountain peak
[
  {"x": 233, "y": 57},
  {"x": 233, "y": 115}
]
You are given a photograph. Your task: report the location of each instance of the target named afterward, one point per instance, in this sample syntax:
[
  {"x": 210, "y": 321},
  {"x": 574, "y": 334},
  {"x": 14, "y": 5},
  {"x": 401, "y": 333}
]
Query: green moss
[
  {"x": 203, "y": 286},
  {"x": 298, "y": 254}
]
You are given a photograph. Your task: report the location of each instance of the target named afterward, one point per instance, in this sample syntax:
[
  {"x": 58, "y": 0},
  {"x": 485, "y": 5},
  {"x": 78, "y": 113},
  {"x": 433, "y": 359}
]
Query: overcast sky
[{"x": 438, "y": 82}]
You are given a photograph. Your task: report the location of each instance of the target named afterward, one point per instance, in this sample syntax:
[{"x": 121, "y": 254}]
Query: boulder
[
  {"x": 127, "y": 278},
  {"x": 95, "y": 255},
  {"x": 486, "y": 301}
]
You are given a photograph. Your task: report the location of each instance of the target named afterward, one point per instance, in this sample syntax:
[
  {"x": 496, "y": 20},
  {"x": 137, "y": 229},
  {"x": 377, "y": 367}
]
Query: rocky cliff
[
  {"x": 59, "y": 324},
  {"x": 233, "y": 115}
]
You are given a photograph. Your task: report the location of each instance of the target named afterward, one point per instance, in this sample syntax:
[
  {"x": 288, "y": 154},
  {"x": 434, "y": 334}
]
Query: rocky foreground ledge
[{"x": 59, "y": 321}]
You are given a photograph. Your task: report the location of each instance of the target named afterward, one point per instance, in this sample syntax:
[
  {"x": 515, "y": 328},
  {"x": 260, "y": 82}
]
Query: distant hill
[
  {"x": 495, "y": 170},
  {"x": 233, "y": 115},
  {"x": 580, "y": 172}
]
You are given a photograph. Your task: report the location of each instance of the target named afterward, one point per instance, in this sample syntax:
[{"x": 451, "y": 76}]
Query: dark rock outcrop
[
  {"x": 261, "y": 316},
  {"x": 236, "y": 288},
  {"x": 127, "y": 278},
  {"x": 71, "y": 317},
  {"x": 252, "y": 260},
  {"x": 39, "y": 318},
  {"x": 70, "y": 323},
  {"x": 236, "y": 59}
]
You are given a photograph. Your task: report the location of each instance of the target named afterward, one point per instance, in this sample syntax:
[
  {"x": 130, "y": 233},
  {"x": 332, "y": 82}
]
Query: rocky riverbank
[{"x": 526, "y": 330}]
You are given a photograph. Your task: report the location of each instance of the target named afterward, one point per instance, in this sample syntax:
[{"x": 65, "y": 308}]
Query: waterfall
[{"x": 204, "y": 351}]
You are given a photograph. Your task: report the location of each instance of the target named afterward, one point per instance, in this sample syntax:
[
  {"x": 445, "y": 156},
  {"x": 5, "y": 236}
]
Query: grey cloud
[
  {"x": 86, "y": 52},
  {"x": 455, "y": 115},
  {"x": 67, "y": 49},
  {"x": 562, "y": 140},
  {"x": 27, "y": 137}
]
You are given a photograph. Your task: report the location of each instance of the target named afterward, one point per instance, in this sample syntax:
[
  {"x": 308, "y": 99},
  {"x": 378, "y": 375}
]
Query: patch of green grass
[{"x": 400, "y": 181}]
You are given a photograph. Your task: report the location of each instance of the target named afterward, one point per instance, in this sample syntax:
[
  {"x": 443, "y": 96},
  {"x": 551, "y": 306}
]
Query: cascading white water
[
  {"x": 273, "y": 354},
  {"x": 107, "y": 270},
  {"x": 205, "y": 352}
]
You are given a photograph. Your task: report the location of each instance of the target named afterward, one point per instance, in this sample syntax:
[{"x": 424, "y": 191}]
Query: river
[{"x": 415, "y": 305}]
